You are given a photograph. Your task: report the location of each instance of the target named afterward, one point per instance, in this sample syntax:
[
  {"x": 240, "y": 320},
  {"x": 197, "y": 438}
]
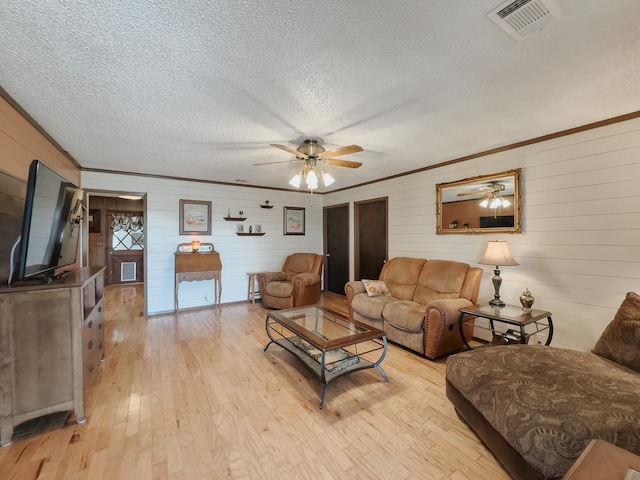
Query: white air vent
[
  {"x": 128, "y": 272},
  {"x": 523, "y": 18}
]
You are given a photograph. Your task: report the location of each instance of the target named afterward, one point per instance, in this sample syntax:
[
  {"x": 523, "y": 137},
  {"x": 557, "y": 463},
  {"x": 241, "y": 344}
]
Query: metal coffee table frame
[{"x": 285, "y": 328}]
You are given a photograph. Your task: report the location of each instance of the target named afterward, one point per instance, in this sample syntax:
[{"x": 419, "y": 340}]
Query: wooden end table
[
  {"x": 603, "y": 460},
  {"x": 509, "y": 316}
]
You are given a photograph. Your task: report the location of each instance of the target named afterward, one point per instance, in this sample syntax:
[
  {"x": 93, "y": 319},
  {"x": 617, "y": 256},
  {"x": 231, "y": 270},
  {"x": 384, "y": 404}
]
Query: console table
[{"x": 202, "y": 264}]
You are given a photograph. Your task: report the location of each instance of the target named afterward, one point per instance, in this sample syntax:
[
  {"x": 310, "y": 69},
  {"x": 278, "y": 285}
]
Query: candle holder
[{"x": 195, "y": 246}]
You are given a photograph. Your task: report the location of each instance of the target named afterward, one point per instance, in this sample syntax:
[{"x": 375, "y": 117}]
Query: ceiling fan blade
[
  {"x": 475, "y": 192},
  {"x": 283, "y": 161},
  {"x": 343, "y": 150},
  {"x": 287, "y": 149},
  {"x": 342, "y": 163}
]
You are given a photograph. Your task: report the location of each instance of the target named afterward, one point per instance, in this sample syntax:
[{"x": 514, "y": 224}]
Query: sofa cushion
[
  {"x": 370, "y": 307},
  {"x": 405, "y": 315},
  {"x": 376, "y": 288},
  {"x": 440, "y": 279},
  {"x": 620, "y": 341},
  {"x": 401, "y": 276},
  {"x": 279, "y": 289}
]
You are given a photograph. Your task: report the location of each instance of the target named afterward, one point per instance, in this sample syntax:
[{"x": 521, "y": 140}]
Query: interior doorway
[
  {"x": 371, "y": 237},
  {"x": 336, "y": 247},
  {"x": 116, "y": 237}
]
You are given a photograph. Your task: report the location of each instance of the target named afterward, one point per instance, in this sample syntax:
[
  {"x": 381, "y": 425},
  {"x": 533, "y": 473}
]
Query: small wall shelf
[
  {"x": 250, "y": 234},
  {"x": 266, "y": 206},
  {"x": 235, "y": 219}
]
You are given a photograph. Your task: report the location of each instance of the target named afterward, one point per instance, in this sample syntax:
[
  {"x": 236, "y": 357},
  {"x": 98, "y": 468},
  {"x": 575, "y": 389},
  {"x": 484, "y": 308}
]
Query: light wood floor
[{"x": 193, "y": 396}]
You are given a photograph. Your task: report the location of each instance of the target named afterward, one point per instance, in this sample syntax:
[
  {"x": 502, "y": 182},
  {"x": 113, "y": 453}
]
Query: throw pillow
[
  {"x": 376, "y": 288},
  {"x": 620, "y": 341}
]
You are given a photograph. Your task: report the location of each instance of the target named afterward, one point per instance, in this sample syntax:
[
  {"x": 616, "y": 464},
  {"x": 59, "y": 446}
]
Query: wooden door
[
  {"x": 371, "y": 231},
  {"x": 129, "y": 274},
  {"x": 336, "y": 247},
  {"x": 125, "y": 256}
]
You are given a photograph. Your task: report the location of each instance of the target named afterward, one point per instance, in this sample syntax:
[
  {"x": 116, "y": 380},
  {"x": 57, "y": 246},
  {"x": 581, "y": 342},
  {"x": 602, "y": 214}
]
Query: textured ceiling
[{"x": 200, "y": 89}]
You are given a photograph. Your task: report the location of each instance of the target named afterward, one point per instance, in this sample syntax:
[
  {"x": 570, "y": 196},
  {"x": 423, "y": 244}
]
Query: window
[{"x": 128, "y": 231}]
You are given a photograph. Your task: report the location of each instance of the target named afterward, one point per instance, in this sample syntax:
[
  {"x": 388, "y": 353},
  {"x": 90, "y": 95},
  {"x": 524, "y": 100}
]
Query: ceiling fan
[
  {"x": 311, "y": 153},
  {"x": 488, "y": 190},
  {"x": 491, "y": 196}
]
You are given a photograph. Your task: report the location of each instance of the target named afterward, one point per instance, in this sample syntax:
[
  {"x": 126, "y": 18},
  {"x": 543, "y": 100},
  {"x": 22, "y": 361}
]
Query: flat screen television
[
  {"x": 50, "y": 223},
  {"x": 497, "y": 221}
]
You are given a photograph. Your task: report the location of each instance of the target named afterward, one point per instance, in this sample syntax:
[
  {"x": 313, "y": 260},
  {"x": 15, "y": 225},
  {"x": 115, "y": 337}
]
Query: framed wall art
[
  {"x": 195, "y": 217},
  {"x": 293, "y": 220}
]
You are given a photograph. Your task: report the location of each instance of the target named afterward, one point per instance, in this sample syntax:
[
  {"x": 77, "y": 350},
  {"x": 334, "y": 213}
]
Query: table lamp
[{"x": 497, "y": 254}]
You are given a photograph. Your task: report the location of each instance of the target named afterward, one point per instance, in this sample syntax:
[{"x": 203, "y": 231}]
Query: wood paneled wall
[
  {"x": 579, "y": 251},
  {"x": 12, "y": 195},
  {"x": 20, "y": 144}
]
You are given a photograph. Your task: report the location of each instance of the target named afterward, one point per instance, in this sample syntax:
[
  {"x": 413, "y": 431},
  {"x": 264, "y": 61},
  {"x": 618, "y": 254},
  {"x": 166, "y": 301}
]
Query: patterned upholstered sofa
[
  {"x": 418, "y": 306},
  {"x": 536, "y": 408}
]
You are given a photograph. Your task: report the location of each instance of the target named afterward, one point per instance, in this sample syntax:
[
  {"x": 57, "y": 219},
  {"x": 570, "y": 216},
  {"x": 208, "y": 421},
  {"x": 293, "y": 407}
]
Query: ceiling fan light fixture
[
  {"x": 484, "y": 203},
  {"x": 295, "y": 181},
  {"x": 312, "y": 179},
  {"x": 495, "y": 202},
  {"x": 326, "y": 178}
]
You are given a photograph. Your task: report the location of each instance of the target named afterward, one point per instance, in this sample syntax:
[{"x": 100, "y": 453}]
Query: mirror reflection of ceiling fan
[
  {"x": 311, "y": 153},
  {"x": 491, "y": 196}
]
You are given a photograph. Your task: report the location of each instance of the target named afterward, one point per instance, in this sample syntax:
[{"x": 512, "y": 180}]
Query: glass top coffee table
[{"x": 330, "y": 344}]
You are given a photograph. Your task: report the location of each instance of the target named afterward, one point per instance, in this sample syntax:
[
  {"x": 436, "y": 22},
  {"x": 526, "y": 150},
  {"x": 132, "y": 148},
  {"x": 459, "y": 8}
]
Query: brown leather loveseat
[
  {"x": 297, "y": 285},
  {"x": 420, "y": 302}
]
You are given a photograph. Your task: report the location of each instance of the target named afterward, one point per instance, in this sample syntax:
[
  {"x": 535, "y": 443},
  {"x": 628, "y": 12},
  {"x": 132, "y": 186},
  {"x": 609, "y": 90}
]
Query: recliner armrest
[
  {"x": 266, "y": 277},
  {"x": 448, "y": 309},
  {"x": 307, "y": 289},
  {"x": 352, "y": 289},
  {"x": 271, "y": 276},
  {"x": 440, "y": 324}
]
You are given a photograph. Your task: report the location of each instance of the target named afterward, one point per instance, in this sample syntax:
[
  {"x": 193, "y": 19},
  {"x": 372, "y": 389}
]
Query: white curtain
[{"x": 130, "y": 222}]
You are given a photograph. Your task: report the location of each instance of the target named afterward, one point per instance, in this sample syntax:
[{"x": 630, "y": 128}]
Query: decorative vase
[{"x": 526, "y": 299}]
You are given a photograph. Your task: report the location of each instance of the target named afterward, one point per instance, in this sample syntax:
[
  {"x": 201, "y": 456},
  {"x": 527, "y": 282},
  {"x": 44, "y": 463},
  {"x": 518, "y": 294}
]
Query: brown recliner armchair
[{"x": 297, "y": 285}]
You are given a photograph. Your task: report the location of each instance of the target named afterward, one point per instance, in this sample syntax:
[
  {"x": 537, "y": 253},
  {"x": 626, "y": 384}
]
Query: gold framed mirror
[{"x": 483, "y": 204}]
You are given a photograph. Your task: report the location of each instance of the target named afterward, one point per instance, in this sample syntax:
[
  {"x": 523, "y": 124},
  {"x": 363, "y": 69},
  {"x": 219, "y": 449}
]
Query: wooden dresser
[
  {"x": 191, "y": 266},
  {"x": 51, "y": 345}
]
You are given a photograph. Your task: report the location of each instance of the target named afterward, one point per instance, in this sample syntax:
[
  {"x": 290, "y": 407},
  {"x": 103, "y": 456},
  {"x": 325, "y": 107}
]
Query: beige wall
[{"x": 579, "y": 251}]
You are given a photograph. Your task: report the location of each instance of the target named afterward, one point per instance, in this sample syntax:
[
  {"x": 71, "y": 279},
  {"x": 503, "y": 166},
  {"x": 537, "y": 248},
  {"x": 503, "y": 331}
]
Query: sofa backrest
[
  {"x": 424, "y": 280},
  {"x": 401, "y": 276},
  {"x": 302, "y": 263},
  {"x": 441, "y": 279}
]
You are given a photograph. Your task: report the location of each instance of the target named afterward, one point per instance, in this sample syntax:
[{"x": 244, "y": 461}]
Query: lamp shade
[
  {"x": 498, "y": 254},
  {"x": 326, "y": 178},
  {"x": 312, "y": 180},
  {"x": 295, "y": 181}
]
